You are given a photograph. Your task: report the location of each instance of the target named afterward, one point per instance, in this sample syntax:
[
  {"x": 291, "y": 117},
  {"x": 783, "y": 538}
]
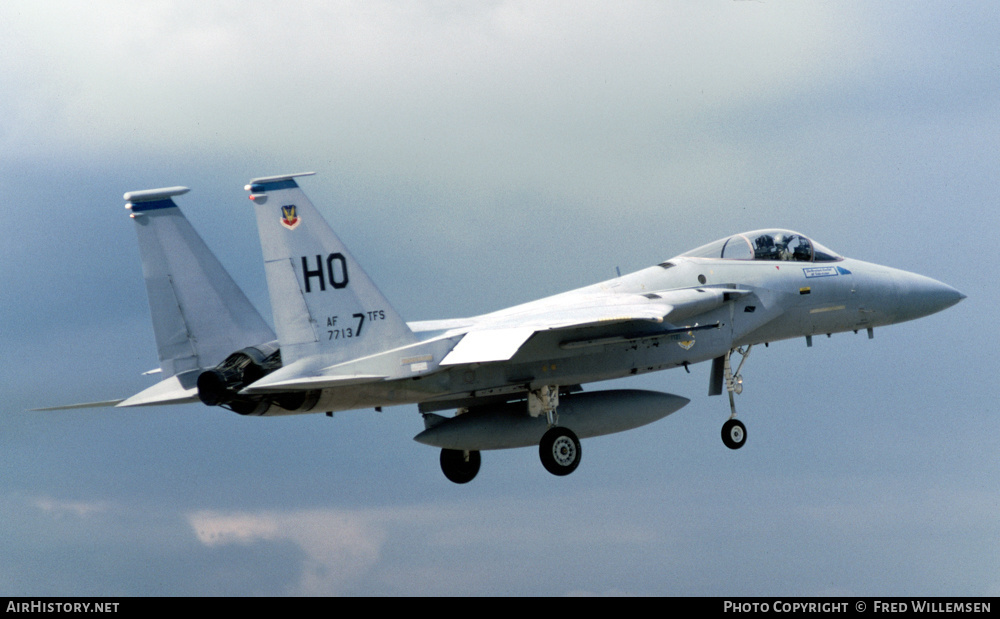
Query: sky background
[{"x": 473, "y": 156}]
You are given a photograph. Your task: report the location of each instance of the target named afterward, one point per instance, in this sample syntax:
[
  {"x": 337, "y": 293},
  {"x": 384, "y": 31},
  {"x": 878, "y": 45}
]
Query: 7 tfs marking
[{"x": 337, "y": 333}]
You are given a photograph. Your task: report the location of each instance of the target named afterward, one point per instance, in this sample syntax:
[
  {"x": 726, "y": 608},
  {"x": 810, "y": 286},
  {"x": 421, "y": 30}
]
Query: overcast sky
[{"x": 475, "y": 155}]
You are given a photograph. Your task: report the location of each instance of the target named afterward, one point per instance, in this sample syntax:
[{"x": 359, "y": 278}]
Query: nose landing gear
[{"x": 734, "y": 433}]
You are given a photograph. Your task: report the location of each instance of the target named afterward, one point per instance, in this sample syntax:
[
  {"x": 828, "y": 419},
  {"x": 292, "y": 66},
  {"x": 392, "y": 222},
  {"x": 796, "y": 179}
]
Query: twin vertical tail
[{"x": 324, "y": 304}]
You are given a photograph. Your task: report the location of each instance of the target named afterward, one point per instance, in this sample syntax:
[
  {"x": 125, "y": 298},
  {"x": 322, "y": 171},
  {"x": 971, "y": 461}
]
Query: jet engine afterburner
[{"x": 221, "y": 385}]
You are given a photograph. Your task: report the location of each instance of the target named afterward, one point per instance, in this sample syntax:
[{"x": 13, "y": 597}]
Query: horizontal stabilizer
[
  {"x": 178, "y": 389},
  {"x": 73, "y": 406}
]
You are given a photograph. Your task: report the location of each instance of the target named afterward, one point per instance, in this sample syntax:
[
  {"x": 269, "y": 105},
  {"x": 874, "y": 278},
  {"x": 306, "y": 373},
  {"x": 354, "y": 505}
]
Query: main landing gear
[
  {"x": 559, "y": 448},
  {"x": 734, "y": 433},
  {"x": 460, "y": 466}
]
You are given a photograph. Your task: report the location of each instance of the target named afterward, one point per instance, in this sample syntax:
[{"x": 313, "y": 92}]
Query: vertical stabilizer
[
  {"x": 324, "y": 303},
  {"x": 199, "y": 314}
]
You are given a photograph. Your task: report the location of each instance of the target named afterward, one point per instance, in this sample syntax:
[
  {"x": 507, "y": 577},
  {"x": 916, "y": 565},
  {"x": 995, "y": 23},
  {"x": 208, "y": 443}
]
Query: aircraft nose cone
[{"x": 923, "y": 296}]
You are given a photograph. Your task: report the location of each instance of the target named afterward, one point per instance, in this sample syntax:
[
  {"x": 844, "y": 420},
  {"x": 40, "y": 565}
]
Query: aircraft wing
[
  {"x": 500, "y": 340},
  {"x": 499, "y": 336}
]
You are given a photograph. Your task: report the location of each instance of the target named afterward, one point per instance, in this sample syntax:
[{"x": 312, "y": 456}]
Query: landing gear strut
[
  {"x": 734, "y": 433},
  {"x": 559, "y": 448}
]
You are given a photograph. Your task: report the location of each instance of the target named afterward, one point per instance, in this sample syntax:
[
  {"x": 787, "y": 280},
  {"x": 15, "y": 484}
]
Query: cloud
[
  {"x": 440, "y": 547},
  {"x": 80, "y": 509},
  {"x": 348, "y": 550},
  {"x": 500, "y": 91},
  {"x": 339, "y": 546},
  {"x": 607, "y": 543}
]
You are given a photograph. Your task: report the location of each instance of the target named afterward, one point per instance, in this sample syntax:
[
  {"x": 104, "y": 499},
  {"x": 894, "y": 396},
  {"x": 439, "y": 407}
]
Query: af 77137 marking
[{"x": 514, "y": 376}]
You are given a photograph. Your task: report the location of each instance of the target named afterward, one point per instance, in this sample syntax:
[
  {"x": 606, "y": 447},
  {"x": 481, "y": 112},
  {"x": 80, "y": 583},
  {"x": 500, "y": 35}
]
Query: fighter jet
[{"x": 514, "y": 377}]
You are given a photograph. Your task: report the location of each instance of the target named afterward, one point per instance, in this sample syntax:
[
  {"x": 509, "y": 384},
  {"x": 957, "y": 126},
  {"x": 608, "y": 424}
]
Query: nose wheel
[{"x": 734, "y": 434}]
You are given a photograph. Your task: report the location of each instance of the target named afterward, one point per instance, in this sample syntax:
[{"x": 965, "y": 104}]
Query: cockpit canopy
[{"x": 777, "y": 245}]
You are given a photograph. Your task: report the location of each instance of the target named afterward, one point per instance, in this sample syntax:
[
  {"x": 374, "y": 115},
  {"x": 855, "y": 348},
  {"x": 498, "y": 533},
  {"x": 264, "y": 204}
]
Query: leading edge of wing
[
  {"x": 499, "y": 336},
  {"x": 499, "y": 343}
]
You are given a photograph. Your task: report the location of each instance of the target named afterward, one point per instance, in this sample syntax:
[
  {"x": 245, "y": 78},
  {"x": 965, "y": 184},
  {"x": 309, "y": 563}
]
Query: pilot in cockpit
[
  {"x": 764, "y": 249},
  {"x": 781, "y": 247}
]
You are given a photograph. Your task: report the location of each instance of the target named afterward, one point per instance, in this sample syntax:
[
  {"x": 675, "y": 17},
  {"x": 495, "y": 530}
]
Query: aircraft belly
[
  {"x": 387, "y": 393},
  {"x": 542, "y": 364}
]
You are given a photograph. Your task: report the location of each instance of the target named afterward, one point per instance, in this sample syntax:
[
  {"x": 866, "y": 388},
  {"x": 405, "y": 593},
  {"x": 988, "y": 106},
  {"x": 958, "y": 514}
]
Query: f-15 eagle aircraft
[{"x": 514, "y": 376}]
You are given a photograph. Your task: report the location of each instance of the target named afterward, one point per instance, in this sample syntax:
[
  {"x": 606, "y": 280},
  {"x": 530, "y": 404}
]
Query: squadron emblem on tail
[{"x": 289, "y": 218}]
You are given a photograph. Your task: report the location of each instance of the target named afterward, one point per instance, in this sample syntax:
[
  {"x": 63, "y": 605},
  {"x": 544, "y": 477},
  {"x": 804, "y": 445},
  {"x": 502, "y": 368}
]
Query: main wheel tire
[
  {"x": 734, "y": 434},
  {"x": 456, "y": 468},
  {"x": 559, "y": 450}
]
